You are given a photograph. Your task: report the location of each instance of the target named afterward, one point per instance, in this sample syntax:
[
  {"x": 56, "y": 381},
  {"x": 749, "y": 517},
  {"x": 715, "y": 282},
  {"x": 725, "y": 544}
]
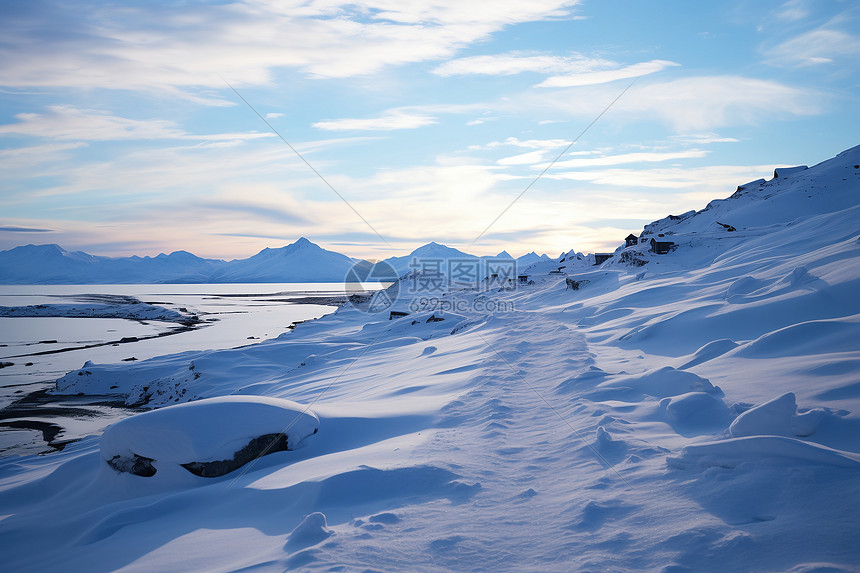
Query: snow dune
[{"x": 698, "y": 412}]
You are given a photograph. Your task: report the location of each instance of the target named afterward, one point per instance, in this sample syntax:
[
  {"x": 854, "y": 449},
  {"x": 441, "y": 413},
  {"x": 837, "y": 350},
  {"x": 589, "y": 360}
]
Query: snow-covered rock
[{"x": 209, "y": 438}]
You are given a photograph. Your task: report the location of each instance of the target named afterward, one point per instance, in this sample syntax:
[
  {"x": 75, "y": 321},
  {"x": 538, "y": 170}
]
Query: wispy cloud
[
  {"x": 527, "y": 143},
  {"x": 520, "y": 62},
  {"x": 136, "y": 47},
  {"x": 703, "y": 138},
  {"x": 792, "y": 11},
  {"x": 606, "y": 76},
  {"x": 820, "y": 46},
  {"x": 564, "y": 71},
  {"x": 692, "y": 104},
  {"x": 626, "y": 158},
  {"x": 707, "y": 182},
  {"x": 64, "y": 122},
  {"x": 388, "y": 121},
  {"x": 24, "y": 230}
]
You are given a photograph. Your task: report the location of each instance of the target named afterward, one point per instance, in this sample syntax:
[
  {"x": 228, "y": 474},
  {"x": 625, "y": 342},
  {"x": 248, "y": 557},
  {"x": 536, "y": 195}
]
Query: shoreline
[{"x": 50, "y": 415}]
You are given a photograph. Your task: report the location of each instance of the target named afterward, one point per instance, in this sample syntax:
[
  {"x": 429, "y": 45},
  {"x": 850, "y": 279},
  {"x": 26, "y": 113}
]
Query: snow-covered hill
[{"x": 695, "y": 410}]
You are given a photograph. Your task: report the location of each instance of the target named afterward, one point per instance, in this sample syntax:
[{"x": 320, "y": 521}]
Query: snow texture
[{"x": 697, "y": 410}]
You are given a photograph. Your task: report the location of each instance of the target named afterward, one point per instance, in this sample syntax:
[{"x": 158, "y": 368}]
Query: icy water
[{"x": 43, "y": 349}]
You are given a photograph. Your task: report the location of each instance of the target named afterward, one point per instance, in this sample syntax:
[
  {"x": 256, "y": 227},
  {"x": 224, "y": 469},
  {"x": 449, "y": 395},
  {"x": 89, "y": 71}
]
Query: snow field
[{"x": 696, "y": 413}]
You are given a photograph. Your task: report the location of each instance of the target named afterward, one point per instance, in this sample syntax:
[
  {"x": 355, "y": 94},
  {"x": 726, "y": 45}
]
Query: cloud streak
[
  {"x": 64, "y": 122},
  {"x": 389, "y": 121},
  {"x": 563, "y": 71}
]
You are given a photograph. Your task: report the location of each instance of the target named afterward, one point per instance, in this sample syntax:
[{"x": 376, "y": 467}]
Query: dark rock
[
  {"x": 256, "y": 448},
  {"x": 136, "y": 465}
]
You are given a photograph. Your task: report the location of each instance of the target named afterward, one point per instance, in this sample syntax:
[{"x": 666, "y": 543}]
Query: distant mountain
[
  {"x": 423, "y": 255},
  {"x": 302, "y": 261},
  {"x": 51, "y": 264},
  {"x": 529, "y": 259}
]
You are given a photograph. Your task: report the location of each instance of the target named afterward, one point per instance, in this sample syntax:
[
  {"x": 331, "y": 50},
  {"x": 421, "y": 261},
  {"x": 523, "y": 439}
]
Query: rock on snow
[{"x": 208, "y": 437}]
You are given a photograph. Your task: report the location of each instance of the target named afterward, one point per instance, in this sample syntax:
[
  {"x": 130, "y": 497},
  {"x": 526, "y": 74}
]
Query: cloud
[
  {"x": 137, "y": 46},
  {"x": 529, "y": 143},
  {"x": 64, "y": 122},
  {"x": 700, "y": 103},
  {"x": 703, "y": 138},
  {"x": 792, "y": 11},
  {"x": 519, "y": 62},
  {"x": 24, "y": 230},
  {"x": 564, "y": 71},
  {"x": 388, "y": 121},
  {"x": 274, "y": 115},
  {"x": 527, "y": 158},
  {"x": 606, "y": 76},
  {"x": 624, "y": 158},
  {"x": 706, "y": 182},
  {"x": 820, "y": 46}
]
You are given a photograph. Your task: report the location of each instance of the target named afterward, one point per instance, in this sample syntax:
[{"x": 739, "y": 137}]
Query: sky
[{"x": 123, "y": 128}]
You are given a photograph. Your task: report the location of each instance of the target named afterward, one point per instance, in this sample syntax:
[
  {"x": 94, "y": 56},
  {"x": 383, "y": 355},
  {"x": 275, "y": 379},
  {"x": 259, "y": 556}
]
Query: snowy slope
[{"x": 697, "y": 410}]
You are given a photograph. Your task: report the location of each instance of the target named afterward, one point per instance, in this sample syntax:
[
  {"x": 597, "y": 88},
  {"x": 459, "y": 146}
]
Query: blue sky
[{"x": 119, "y": 134}]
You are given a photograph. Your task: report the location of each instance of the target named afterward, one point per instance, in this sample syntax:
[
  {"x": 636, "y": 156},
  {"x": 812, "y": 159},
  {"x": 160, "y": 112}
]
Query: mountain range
[{"x": 299, "y": 262}]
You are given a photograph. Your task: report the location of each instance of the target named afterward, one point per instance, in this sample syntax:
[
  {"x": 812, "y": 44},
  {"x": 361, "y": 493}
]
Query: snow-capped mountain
[
  {"x": 425, "y": 255},
  {"x": 51, "y": 264},
  {"x": 302, "y": 261}
]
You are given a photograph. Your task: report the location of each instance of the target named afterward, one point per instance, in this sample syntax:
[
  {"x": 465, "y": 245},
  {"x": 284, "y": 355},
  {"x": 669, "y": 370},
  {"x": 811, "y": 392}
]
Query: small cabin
[
  {"x": 524, "y": 279},
  {"x": 600, "y": 258},
  {"x": 396, "y": 314},
  {"x": 661, "y": 247},
  {"x": 631, "y": 240}
]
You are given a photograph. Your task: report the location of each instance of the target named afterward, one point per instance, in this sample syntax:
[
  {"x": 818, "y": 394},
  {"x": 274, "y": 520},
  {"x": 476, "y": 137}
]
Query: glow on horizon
[{"x": 429, "y": 117}]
